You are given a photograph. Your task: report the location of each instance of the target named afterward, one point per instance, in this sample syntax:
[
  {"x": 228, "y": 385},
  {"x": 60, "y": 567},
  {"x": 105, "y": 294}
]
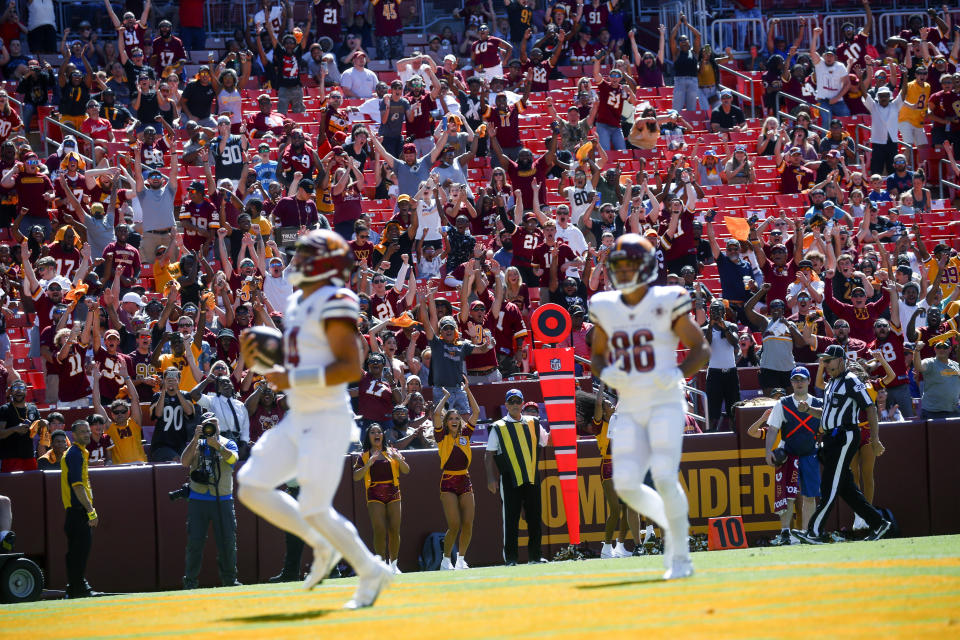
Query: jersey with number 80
[
  {"x": 306, "y": 348},
  {"x": 640, "y": 339}
]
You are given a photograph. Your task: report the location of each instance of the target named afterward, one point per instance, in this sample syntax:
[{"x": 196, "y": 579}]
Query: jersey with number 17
[
  {"x": 306, "y": 347},
  {"x": 641, "y": 341}
]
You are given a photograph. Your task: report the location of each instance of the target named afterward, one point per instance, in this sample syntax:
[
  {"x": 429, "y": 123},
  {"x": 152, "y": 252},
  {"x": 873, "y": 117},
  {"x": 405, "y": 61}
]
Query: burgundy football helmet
[
  {"x": 635, "y": 250},
  {"x": 321, "y": 256}
]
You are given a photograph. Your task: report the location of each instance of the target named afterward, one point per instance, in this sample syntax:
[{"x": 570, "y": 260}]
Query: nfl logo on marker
[{"x": 555, "y": 364}]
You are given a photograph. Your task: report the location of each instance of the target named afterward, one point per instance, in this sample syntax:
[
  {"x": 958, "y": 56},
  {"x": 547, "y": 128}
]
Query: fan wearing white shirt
[
  {"x": 582, "y": 195},
  {"x": 231, "y": 414},
  {"x": 569, "y": 232},
  {"x": 275, "y": 287},
  {"x": 833, "y": 80},
  {"x": 429, "y": 260},
  {"x": 278, "y": 18},
  {"x": 428, "y": 210},
  {"x": 358, "y": 81},
  {"x": 413, "y": 66},
  {"x": 370, "y": 109}
]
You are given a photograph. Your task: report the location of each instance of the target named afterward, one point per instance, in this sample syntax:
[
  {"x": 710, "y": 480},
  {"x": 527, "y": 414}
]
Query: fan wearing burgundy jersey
[
  {"x": 141, "y": 364},
  {"x": 547, "y": 253},
  {"x": 167, "y": 49},
  {"x": 71, "y": 354},
  {"x": 889, "y": 342},
  {"x": 420, "y": 121},
  {"x": 132, "y": 32},
  {"x": 582, "y": 50},
  {"x": 611, "y": 95},
  {"x": 386, "y": 304},
  {"x": 945, "y": 112},
  {"x": 65, "y": 253},
  {"x": 10, "y": 123},
  {"x": 388, "y": 25},
  {"x": 74, "y": 180},
  {"x": 595, "y": 15},
  {"x": 488, "y": 53},
  {"x": 328, "y": 16},
  {"x": 853, "y": 50},
  {"x": 525, "y": 237},
  {"x": 476, "y": 325},
  {"x": 297, "y": 156},
  {"x": 506, "y": 120},
  {"x": 535, "y": 66},
  {"x": 200, "y": 219},
  {"x": 114, "y": 366}
]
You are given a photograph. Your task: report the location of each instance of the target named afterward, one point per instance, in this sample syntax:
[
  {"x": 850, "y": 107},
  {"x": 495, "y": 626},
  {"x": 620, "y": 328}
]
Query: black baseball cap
[{"x": 833, "y": 351}]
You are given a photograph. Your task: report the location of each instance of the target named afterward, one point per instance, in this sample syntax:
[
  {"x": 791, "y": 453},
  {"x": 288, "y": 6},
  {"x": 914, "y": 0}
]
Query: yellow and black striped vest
[{"x": 517, "y": 460}]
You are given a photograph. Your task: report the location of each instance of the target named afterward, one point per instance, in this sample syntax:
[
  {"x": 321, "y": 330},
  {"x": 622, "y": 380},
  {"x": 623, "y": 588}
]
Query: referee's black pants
[
  {"x": 837, "y": 480},
  {"x": 723, "y": 387},
  {"x": 527, "y": 498},
  {"x": 79, "y": 541}
]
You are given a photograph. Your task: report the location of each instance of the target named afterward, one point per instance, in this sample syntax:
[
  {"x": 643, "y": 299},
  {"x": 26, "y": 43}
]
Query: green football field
[{"x": 905, "y": 588}]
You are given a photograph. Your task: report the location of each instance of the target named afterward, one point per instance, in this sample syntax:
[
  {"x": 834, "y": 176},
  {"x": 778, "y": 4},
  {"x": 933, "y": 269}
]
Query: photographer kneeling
[{"x": 210, "y": 458}]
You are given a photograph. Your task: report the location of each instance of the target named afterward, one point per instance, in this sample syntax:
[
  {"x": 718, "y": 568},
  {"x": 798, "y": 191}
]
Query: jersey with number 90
[
  {"x": 641, "y": 341},
  {"x": 306, "y": 347}
]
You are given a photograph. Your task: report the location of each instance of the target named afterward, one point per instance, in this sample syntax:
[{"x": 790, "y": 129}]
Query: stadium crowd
[{"x": 473, "y": 179}]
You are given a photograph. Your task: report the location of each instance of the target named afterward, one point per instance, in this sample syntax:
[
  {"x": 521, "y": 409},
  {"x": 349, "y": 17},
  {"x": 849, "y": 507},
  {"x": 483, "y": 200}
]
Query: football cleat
[
  {"x": 370, "y": 586},
  {"x": 325, "y": 558},
  {"x": 680, "y": 567},
  {"x": 634, "y": 251},
  {"x": 322, "y": 256},
  {"x": 461, "y": 563}
]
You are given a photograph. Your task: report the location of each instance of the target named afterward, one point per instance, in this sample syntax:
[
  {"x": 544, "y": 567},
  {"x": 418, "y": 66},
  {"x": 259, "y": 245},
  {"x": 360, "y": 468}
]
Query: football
[{"x": 262, "y": 348}]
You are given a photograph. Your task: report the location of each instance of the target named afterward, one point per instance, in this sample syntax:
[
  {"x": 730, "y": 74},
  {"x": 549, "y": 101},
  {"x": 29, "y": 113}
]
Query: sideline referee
[
  {"x": 511, "y": 466},
  {"x": 843, "y": 399}
]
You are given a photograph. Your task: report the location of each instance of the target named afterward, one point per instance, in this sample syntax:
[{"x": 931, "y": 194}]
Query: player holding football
[
  {"x": 322, "y": 355},
  {"x": 636, "y": 329}
]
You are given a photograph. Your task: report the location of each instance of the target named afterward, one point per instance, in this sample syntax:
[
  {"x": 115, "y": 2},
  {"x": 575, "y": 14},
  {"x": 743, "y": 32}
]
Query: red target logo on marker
[{"x": 551, "y": 324}]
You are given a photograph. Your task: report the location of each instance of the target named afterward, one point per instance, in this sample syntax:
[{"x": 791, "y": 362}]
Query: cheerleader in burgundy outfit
[{"x": 452, "y": 433}]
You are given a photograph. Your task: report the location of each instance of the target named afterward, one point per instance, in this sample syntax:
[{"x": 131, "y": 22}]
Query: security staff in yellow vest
[
  {"x": 81, "y": 516},
  {"x": 511, "y": 463}
]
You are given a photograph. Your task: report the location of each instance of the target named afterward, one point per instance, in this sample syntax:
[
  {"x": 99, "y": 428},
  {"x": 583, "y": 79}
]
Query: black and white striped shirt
[{"x": 843, "y": 399}]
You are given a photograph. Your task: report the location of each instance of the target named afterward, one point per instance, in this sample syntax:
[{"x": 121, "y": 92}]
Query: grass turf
[{"x": 906, "y": 588}]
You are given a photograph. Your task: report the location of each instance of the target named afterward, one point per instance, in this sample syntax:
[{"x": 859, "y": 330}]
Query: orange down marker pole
[{"x": 555, "y": 366}]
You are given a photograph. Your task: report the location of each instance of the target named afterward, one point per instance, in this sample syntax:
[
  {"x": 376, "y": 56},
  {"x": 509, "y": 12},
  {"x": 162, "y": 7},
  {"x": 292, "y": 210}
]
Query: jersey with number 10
[
  {"x": 306, "y": 348},
  {"x": 641, "y": 341}
]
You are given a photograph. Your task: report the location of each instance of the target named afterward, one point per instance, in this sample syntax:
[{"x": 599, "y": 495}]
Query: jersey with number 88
[{"x": 640, "y": 339}]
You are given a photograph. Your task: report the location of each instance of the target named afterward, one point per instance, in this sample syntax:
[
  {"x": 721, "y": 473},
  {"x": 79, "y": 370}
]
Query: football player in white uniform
[
  {"x": 636, "y": 329},
  {"x": 322, "y": 355}
]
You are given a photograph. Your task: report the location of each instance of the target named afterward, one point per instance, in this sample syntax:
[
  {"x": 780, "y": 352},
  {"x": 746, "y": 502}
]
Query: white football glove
[{"x": 614, "y": 376}]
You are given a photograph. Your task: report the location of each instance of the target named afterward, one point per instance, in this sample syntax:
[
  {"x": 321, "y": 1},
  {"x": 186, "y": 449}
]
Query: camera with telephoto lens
[{"x": 209, "y": 429}]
